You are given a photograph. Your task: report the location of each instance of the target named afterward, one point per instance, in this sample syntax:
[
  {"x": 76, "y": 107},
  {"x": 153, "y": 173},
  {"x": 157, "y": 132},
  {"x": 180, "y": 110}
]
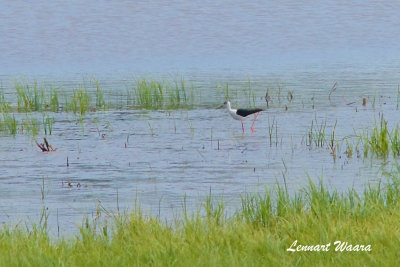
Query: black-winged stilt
[{"x": 241, "y": 114}]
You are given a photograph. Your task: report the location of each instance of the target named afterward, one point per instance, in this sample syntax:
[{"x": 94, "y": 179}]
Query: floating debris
[{"x": 46, "y": 147}]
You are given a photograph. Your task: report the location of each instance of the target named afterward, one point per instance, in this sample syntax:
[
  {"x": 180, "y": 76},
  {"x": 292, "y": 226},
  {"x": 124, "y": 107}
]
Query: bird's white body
[
  {"x": 233, "y": 112},
  {"x": 242, "y": 114}
]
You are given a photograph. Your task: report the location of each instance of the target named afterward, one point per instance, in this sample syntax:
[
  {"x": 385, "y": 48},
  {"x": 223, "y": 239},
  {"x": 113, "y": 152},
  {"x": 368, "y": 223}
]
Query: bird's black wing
[{"x": 246, "y": 112}]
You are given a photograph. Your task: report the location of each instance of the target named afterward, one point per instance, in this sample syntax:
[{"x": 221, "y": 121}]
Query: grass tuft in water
[
  {"x": 29, "y": 98},
  {"x": 48, "y": 124},
  {"x": 379, "y": 140},
  {"x": 316, "y": 134},
  {"x": 9, "y": 124},
  {"x": 79, "y": 102},
  {"x": 4, "y": 105},
  {"x": 54, "y": 102},
  {"x": 100, "y": 102},
  {"x": 152, "y": 94}
]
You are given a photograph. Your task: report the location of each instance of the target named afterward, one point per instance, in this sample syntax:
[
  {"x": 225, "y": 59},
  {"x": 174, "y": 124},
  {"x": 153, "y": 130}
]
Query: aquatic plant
[
  {"x": 227, "y": 97},
  {"x": 249, "y": 94},
  {"x": 333, "y": 143},
  {"x": 267, "y": 97},
  {"x": 31, "y": 125},
  {"x": 100, "y": 102},
  {"x": 9, "y": 124},
  {"x": 152, "y": 94},
  {"x": 280, "y": 87},
  {"x": 48, "y": 124},
  {"x": 378, "y": 141},
  {"x": 29, "y": 99},
  {"x": 271, "y": 127},
  {"x": 316, "y": 134},
  {"x": 395, "y": 141},
  {"x": 79, "y": 102},
  {"x": 149, "y": 94},
  {"x": 398, "y": 97},
  {"x": 349, "y": 149},
  {"x": 290, "y": 96},
  {"x": 4, "y": 105},
  {"x": 381, "y": 141},
  {"x": 54, "y": 102},
  {"x": 150, "y": 128}
]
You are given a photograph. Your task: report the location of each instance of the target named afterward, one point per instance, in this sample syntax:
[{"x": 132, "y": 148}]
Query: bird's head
[{"x": 226, "y": 103}]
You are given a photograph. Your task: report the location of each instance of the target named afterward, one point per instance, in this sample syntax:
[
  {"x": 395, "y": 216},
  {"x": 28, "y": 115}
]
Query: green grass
[
  {"x": 8, "y": 124},
  {"x": 29, "y": 97},
  {"x": 4, "y": 105},
  {"x": 316, "y": 134},
  {"x": 100, "y": 101},
  {"x": 47, "y": 124},
  {"x": 258, "y": 234},
  {"x": 54, "y": 104},
  {"x": 381, "y": 142},
  {"x": 31, "y": 125},
  {"x": 153, "y": 94},
  {"x": 79, "y": 102}
]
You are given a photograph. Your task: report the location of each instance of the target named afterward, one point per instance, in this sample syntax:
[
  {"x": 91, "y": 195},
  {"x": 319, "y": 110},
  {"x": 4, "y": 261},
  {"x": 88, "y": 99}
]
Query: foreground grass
[{"x": 258, "y": 234}]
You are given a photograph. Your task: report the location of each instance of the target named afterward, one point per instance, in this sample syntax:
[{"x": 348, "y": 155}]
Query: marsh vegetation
[
  {"x": 259, "y": 233},
  {"x": 160, "y": 134}
]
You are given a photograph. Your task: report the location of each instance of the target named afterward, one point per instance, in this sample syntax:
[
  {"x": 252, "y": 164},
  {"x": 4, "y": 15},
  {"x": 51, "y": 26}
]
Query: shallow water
[{"x": 158, "y": 157}]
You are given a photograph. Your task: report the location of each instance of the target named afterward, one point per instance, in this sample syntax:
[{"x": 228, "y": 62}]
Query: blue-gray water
[
  {"x": 159, "y": 156},
  {"x": 259, "y": 36}
]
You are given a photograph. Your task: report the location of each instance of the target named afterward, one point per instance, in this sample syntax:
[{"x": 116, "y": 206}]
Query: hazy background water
[
  {"x": 307, "y": 46},
  {"x": 41, "y": 37}
]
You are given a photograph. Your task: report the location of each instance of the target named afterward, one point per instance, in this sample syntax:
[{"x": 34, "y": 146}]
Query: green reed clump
[
  {"x": 31, "y": 125},
  {"x": 149, "y": 94},
  {"x": 9, "y": 124},
  {"x": 4, "y": 105},
  {"x": 395, "y": 141},
  {"x": 48, "y": 124},
  {"x": 79, "y": 101},
  {"x": 152, "y": 94},
  {"x": 54, "y": 103},
  {"x": 381, "y": 142},
  {"x": 316, "y": 134},
  {"x": 257, "y": 209},
  {"x": 29, "y": 98},
  {"x": 177, "y": 95}
]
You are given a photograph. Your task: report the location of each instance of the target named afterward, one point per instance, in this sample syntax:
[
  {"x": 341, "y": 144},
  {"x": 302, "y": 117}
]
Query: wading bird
[{"x": 241, "y": 114}]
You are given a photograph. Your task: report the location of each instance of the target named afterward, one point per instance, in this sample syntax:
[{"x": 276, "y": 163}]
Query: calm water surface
[{"x": 159, "y": 156}]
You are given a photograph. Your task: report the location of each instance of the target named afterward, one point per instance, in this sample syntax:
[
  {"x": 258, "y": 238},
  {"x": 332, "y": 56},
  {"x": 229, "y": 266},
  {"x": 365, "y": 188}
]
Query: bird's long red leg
[
  {"x": 252, "y": 125},
  {"x": 242, "y": 127}
]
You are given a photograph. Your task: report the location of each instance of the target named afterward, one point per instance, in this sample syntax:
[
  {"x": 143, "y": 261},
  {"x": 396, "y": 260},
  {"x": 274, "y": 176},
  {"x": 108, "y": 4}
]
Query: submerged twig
[
  {"x": 333, "y": 89},
  {"x": 45, "y": 147}
]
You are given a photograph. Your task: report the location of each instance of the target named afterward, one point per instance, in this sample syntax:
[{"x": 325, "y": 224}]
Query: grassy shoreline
[{"x": 258, "y": 234}]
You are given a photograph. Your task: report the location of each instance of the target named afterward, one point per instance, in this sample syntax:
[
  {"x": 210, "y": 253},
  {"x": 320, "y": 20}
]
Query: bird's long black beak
[{"x": 221, "y": 106}]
